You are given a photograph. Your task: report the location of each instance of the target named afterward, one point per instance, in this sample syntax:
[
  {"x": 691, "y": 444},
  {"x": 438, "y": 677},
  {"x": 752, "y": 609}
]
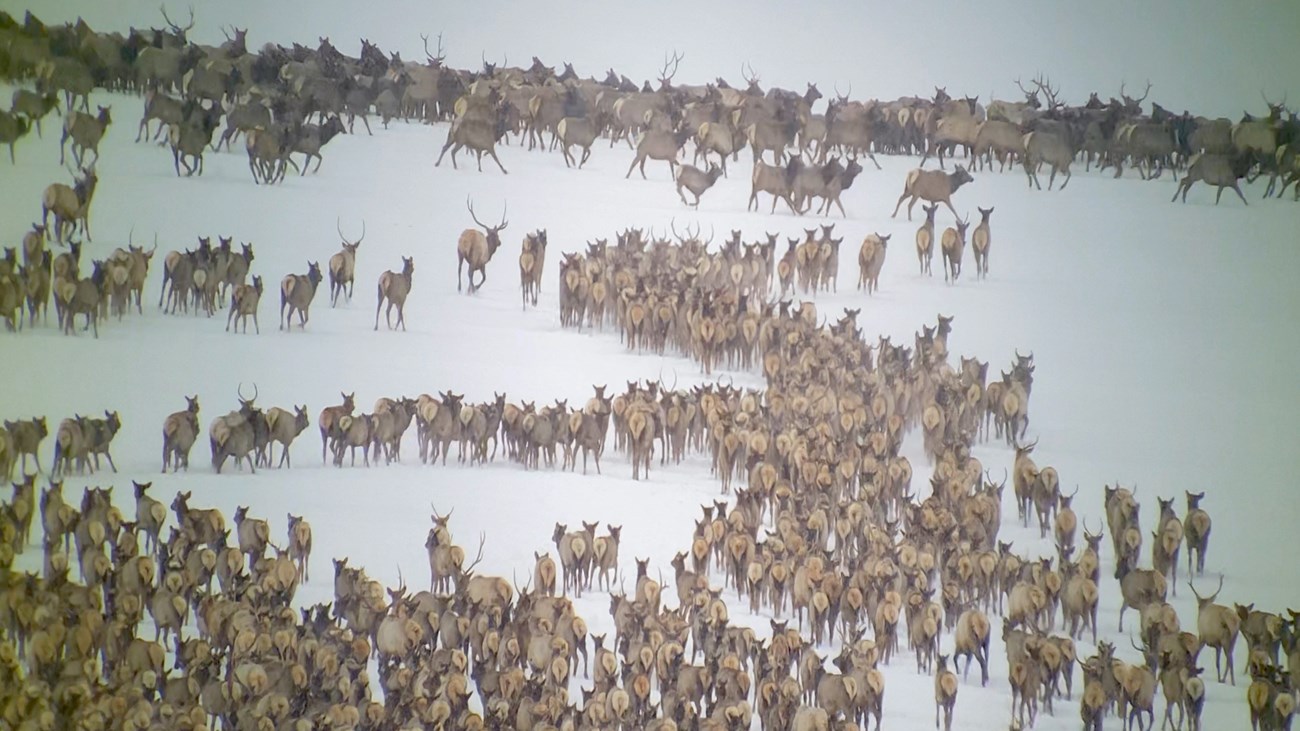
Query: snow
[{"x": 1163, "y": 333}]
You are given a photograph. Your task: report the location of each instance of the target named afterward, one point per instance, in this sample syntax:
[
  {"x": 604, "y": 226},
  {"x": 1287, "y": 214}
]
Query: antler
[
  {"x": 665, "y": 77},
  {"x": 505, "y": 208},
  {"x": 1145, "y": 92},
  {"x": 1027, "y": 92},
  {"x": 1044, "y": 84},
  {"x": 470, "y": 205},
  {"x": 750, "y": 76},
  {"x": 176, "y": 28},
  {"x": 482, "y": 537},
  {"x": 435, "y": 60}
]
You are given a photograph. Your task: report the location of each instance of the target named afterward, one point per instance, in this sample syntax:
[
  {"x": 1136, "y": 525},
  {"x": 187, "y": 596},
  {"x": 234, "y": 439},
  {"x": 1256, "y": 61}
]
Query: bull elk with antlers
[
  {"x": 343, "y": 265},
  {"x": 477, "y": 247}
]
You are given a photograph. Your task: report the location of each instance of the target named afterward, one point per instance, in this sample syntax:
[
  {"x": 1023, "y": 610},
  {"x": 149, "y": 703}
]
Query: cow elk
[
  {"x": 657, "y": 144},
  {"x": 696, "y": 181},
  {"x": 70, "y": 205},
  {"x": 951, "y": 247},
  {"x": 981, "y": 242},
  {"x": 394, "y": 287},
  {"x": 945, "y": 693},
  {"x": 244, "y": 301},
  {"x": 934, "y": 186},
  {"x": 532, "y": 259},
  {"x": 871, "y": 259},
  {"x": 1050, "y": 148},
  {"x": 13, "y": 127},
  {"x": 925, "y": 238},
  {"x": 1196, "y": 531},
  {"x": 85, "y": 131},
  {"x": 296, "y": 293},
  {"x": 476, "y": 248},
  {"x": 180, "y": 430},
  {"x": 282, "y": 428},
  {"x": 1221, "y": 171},
  {"x": 300, "y": 545}
]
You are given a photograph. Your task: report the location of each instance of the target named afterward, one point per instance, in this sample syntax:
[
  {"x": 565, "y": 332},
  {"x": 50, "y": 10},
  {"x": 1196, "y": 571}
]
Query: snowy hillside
[{"x": 1163, "y": 333}]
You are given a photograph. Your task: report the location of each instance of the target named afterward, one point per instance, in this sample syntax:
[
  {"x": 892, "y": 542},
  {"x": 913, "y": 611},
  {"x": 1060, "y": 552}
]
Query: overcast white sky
[{"x": 1210, "y": 56}]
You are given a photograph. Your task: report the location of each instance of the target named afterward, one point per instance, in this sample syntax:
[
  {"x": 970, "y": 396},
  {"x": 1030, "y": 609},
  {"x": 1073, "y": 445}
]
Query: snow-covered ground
[{"x": 1164, "y": 336}]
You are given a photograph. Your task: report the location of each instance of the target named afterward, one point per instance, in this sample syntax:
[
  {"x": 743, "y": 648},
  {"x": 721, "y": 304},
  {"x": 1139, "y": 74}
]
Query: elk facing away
[
  {"x": 343, "y": 265},
  {"x": 394, "y": 286},
  {"x": 296, "y": 294},
  {"x": 477, "y": 247}
]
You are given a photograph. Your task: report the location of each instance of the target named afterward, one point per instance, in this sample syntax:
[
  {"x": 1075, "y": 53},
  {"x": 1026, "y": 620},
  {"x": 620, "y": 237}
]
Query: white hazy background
[{"x": 1213, "y": 58}]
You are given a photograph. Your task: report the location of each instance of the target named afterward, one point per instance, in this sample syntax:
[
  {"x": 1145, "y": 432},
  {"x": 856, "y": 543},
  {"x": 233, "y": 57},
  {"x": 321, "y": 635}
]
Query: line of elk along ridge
[{"x": 273, "y": 95}]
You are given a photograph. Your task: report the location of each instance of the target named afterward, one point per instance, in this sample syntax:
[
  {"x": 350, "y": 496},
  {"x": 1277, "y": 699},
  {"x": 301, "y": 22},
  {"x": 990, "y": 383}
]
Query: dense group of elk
[
  {"x": 272, "y": 96},
  {"x": 824, "y": 528}
]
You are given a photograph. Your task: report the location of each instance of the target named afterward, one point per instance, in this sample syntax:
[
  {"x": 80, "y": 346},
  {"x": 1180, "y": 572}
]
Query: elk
[
  {"x": 150, "y": 515},
  {"x": 981, "y": 242},
  {"x": 70, "y": 205},
  {"x": 972, "y": 641},
  {"x": 283, "y": 427},
  {"x": 180, "y": 429},
  {"x": 1218, "y": 627},
  {"x": 1219, "y": 170},
  {"x": 578, "y": 131},
  {"x": 1196, "y": 531},
  {"x": 158, "y": 105},
  {"x": 330, "y": 415},
  {"x": 82, "y": 297},
  {"x": 343, "y": 265},
  {"x": 532, "y": 258},
  {"x": 479, "y": 135},
  {"x": 776, "y": 180},
  {"x": 951, "y": 247},
  {"x": 85, "y": 131},
  {"x": 696, "y": 181},
  {"x": 243, "y": 304},
  {"x": 1138, "y": 587},
  {"x": 235, "y": 434},
  {"x": 935, "y": 186},
  {"x": 925, "y": 238},
  {"x": 871, "y": 258},
  {"x": 268, "y": 151},
  {"x": 296, "y": 294},
  {"x": 190, "y": 137},
  {"x": 656, "y": 144},
  {"x": 300, "y": 545},
  {"x": 13, "y": 127},
  {"x": 477, "y": 247},
  {"x": 945, "y": 693},
  {"x": 26, "y": 437},
  {"x": 1047, "y": 147},
  {"x": 34, "y": 106},
  {"x": 310, "y": 138},
  {"x": 394, "y": 287}
]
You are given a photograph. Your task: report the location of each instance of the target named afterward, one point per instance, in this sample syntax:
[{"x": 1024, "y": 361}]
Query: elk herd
[{"x": 818, "y": 526}]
